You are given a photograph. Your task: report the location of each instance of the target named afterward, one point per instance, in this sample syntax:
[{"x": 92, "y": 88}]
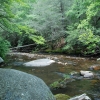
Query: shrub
[{"x": 4, "y": 47}]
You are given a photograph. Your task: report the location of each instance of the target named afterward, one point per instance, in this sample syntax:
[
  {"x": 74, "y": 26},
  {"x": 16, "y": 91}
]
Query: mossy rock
[
  {"x": 62, "y": 97},
  {"x": 55, "y": 84}
]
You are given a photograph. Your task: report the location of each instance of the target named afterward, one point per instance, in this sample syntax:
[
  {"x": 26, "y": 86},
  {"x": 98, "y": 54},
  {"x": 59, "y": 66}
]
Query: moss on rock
[{"x": 62, "y": 97}]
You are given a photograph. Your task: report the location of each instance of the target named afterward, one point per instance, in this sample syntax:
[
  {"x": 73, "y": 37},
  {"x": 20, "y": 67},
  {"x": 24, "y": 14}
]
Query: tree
[
  {"x": 13, "y": 23},
  {"x": 4, "y": 47},
  {"x": 90, "y": 24},
  {"x": 5, "y": 15},
  {"x": 48, "y": 18},
  {"x": 83, "y": 25},
  {"x": 13, "y": 18}
]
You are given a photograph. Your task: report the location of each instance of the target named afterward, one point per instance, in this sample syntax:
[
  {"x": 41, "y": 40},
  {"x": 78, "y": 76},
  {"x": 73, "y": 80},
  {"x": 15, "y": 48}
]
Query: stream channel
[{"x": 64, "y": 64}]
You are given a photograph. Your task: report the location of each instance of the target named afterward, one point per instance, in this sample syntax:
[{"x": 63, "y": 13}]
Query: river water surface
[{"x": 64, "y": 64}]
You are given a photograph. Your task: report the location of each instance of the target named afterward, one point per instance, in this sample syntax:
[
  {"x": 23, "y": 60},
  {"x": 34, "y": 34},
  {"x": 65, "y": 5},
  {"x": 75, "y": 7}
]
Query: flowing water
[{"x": 64, "y": 64}]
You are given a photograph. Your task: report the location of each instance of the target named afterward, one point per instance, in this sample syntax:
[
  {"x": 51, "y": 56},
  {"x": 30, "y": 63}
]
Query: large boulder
[
  {"x": 17, "y": 85},
  {"x": 1, "y": 60},
  {"x": 39, "y": 63}
]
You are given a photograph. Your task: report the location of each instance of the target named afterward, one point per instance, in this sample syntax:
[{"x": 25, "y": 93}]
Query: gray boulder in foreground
[
  {"x": 39, "y": 63},
  {"x": 1, "y": 60},
  {"x": 17, "y": 85}
]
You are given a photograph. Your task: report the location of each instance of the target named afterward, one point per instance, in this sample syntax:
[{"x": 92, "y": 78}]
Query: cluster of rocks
[
  {"x": 77, "y": 75},
  {"x": 62, "y": 63},
  {"x": 72, "y": 77},
  {"x": 31, "y": 56},
  {"x": 85, "y": 75},
  {"x": 67, "y": 63}
]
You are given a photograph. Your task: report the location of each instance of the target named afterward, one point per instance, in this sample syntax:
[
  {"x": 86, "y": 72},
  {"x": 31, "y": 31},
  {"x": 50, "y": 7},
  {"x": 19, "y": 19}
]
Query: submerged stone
[
  {"x": 17, "y": 85},
  {"x": 39, "y": 63}
]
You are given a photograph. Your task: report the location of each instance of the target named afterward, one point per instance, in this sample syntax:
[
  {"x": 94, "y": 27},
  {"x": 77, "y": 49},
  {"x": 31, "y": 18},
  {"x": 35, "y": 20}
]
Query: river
[{"x": 64, "y": 64}]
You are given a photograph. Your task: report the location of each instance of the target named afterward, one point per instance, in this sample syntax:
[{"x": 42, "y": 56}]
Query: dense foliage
[
  {"x": 73, "y": 26},
  {"x": 84, "y": 33},
  {"x": 4, "y": 47}
]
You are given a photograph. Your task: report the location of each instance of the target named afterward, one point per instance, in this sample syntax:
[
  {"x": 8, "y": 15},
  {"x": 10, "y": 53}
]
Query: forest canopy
[{"x": 72, "y": 26}]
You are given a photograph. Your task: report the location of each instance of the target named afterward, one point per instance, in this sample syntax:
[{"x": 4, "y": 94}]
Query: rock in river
[
  {"x": 95, "y": 67},
  {"x": 81, "y": 97},
  {"x": 1, "y": 60},
  {"x": 39, "y": 63},
  {"x": 87, "y": 74},
  {"x": 17, "y": 85}
]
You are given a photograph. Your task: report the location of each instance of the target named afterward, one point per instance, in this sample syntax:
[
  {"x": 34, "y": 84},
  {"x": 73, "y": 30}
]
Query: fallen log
[{"x": 22, "y": 46}]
